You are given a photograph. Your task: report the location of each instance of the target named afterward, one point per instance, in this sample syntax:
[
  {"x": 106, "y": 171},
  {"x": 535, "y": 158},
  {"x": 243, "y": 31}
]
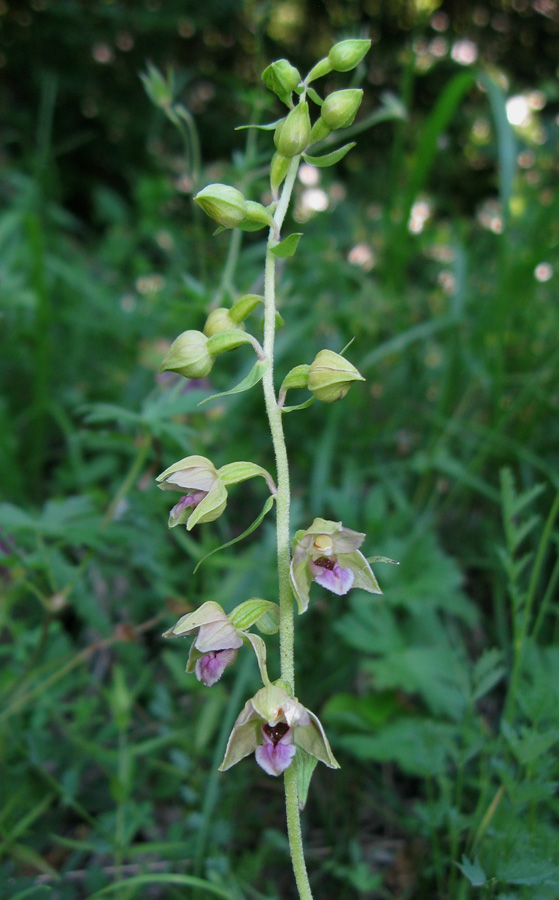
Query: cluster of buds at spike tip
[
  {"x": 272, "y": 725},
  {"x": 218, "y": 637},
  {"x": 230, "y": 209},
  {"x": 328, "y": 554},
  {"x": 205, "y": 487}
]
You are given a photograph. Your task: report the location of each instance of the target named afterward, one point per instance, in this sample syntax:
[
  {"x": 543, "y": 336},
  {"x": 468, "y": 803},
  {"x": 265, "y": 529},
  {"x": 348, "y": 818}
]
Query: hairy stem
[{"x": 282, "y": 525}]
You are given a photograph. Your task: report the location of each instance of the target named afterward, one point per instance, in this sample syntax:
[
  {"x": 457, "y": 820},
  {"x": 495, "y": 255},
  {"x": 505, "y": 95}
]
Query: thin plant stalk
[{"x": 274, "y": 414}]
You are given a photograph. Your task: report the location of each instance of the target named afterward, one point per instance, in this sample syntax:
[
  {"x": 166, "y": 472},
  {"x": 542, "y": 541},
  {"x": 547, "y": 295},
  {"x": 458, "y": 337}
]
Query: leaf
[
  {"x": 248, "y": 382},
  {"x": 329, "y": 159},
  {"x": 163, "y": 878},
  {"x": 383, "y": 559},
  {"x": 487, "y": 672},
  {"x": 270, "y": 126},
  {"x": 288, "y": 246},
  {"x": 305, "y": 765},
  {"x": 473, "y": 871},
  {"x": 265, "y": 510},
  {"x": 307, "y": 403}
]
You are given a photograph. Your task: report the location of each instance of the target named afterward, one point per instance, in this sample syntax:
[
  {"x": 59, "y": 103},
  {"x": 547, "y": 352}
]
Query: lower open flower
[{"x": 272, "y": 725}]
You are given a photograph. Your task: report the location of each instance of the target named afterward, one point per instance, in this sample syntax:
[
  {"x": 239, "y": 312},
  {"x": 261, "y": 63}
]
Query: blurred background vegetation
[{"x": 434, "y": 244}]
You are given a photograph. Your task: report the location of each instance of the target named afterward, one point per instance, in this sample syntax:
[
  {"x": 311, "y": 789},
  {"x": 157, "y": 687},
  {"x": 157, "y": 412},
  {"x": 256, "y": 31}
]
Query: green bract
[{"x": 223, "y": 203}]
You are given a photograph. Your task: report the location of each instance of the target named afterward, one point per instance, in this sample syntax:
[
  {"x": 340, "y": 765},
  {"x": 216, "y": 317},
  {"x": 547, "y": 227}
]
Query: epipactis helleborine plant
[{"x": 286, "y": 738}]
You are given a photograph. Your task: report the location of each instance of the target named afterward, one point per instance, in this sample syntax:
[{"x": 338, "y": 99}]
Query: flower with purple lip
[
  {"x": 205, "y": 495},
  {"x": 216, "y": 643},
  {"x": 273, "y": 725},
  {"x": 328, "y": 554}
]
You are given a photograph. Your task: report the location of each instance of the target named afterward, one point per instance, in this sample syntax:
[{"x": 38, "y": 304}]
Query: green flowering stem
[{"x": 286, "y": 630}]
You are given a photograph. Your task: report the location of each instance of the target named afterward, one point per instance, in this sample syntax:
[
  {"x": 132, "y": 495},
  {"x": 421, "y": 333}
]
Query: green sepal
[
  {"x": 244, "y": 305},
  {"x": 288, "y": 246},
  {"x": 227, "y": 340},
  {"x": 271, "y": 126},
  {"x": 383, "y": 559},
  {"x": 264, "y": 512},
  {"x": 304, "y": 765},
  {"x": 249, "y": 613},
  {"x": 329, "y": 159},
  {"x": 314, "y": 96},
  {"x": 235, "y": 472},
  {"x": 305, "y": 405},
  {"x": 259, "y": 647},
  {"x": 248, "y": 382},
  {"x": 312, "y": 738}
]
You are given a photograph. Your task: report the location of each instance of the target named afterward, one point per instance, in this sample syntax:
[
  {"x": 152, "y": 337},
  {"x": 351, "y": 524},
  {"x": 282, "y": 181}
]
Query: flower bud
[
  {"x": 331, "y": 376},
  {"x": 293, "y": 133},
  {"x": 348, "y": 54},
  {"x": 282, "y": 78},
  {"x": 158, "y": 89},
  {"x": 188, "y": 355},
  {"x": 221, "y": 320},
  {"x": 340, "y": 108},
  {"x": 223, "y": 203}
]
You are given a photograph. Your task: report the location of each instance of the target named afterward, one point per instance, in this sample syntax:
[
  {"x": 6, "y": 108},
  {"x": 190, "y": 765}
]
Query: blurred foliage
[{"x": 439, "y": 253}]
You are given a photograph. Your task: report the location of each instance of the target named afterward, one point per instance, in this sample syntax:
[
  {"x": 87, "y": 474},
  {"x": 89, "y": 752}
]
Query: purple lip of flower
[
  {"x": 210, "y": 667},
  {"x": 276, "y": 754},
  {"x": 192, "y": 499},
  {"x": 327, "y": 572}
]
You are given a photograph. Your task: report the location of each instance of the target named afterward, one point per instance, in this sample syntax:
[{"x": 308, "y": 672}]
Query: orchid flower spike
[
  {"x": 328, "y": 554},
  {"x": 272, "y": 725},
  {"x": 205, "y": 495}
]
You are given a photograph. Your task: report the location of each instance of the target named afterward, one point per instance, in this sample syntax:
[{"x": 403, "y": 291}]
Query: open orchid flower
[
  {"x": 205, "y": 495},
  {"x": 328, "y": 554},
  {"x": 216, "y": 643},
  {"x": 219, "y": 636},
  {"x": 272, "y": 725}
]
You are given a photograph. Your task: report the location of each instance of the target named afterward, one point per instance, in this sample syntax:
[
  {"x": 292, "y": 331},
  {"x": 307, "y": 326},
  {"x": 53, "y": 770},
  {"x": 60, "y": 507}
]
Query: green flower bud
[
  {"x": 189, "y": 355},
  {"x": 293, "y": 133},
  {"x": 220, "y": 320},
  {"x": 331, "y": 376},
  {"x": 159, "y": 90},
  {"x": 340, "y": 108},
  {"x": 223, "y": 203},
  {"x": 282, "y": 78},
  {"x": 348, "y": 54}
]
